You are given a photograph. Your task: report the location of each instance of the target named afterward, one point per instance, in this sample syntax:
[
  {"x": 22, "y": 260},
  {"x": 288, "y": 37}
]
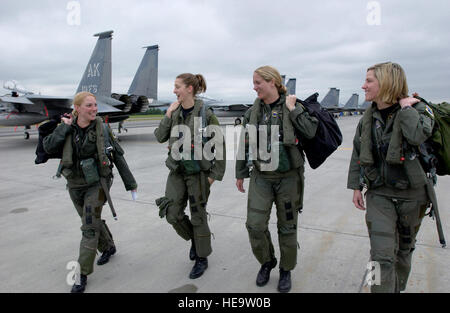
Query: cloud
[{"x": 323, "y": 44}]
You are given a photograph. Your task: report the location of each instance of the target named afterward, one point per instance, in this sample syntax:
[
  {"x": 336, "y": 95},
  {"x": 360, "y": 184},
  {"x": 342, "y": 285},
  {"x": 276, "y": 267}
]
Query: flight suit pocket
[
  {"x": 92, "y": 137},
  {"x": 90, "y": 170}
]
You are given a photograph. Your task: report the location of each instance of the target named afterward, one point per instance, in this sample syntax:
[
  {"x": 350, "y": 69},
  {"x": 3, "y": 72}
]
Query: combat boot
[
  {"x": 264, "y": 273},
  {"x": 106, "y": 255},
  {"x": 192, "y": 252},
  {"x": 284, "y": 284},
  {"x": 80, "y": 288},
  {"x": 201, "y": 264}
]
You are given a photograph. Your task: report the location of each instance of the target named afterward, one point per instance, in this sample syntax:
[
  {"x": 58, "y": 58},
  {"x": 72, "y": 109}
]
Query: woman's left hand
[
  {"x": 290, "y": 102},
  {"x": 407, "y": 102},
  {"x": 210, "y": 180},
  {"x": 134, "y": 195}
]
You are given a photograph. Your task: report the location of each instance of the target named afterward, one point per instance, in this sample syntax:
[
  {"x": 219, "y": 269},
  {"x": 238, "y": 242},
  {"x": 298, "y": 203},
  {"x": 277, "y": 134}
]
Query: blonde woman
[
  {"x": 385, "y": 160},
  {"x": 88, "y": 153},
  {"x": 283, "y": 185}
]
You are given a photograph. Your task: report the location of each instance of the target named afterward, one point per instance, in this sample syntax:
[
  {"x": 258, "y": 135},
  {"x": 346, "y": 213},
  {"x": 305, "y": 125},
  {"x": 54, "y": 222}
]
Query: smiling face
[
  {"x": 264, "y": 89},
  {"x": 87, "y": 111},
  {"x": 182, "y": 91},
  {"x": 371, "y": 86}
]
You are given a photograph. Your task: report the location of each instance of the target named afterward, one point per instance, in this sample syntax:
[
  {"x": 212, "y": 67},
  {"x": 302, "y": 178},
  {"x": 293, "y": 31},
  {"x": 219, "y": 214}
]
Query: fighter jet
[
  {"x": 29, "y": 109},
  {"x": 365, "y": 105},
  {"x": 331, "y": 102},
  {"x": 291, "y": 86},
  {"x": 351, "y": 107},
  {"x": 143, "y": 92}
]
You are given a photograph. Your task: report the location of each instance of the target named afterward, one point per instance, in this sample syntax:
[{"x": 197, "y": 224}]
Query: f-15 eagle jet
[{"x": 29, "y": 109}]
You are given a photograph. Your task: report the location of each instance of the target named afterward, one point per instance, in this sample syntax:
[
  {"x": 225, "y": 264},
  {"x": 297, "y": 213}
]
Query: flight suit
[
  {"x": 284, "y": 188},
  {"x": 396, "y": 187},
  {"x": 88, "y": 198},
  {"x": 188, "y": 180}
]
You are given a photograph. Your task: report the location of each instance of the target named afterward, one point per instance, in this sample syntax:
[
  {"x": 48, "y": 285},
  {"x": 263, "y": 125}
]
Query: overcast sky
[{"x": 321, "y": 43}]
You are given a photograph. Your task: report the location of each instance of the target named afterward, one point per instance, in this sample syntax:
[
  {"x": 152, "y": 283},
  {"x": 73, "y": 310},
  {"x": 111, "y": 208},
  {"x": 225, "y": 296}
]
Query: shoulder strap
[
  {"x": 107, "y": 139},
  {"x": 203, "y": 115}
]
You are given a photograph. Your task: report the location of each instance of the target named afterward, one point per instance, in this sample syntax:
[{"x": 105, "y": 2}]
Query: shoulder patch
[{"x": 429, "y": 111}]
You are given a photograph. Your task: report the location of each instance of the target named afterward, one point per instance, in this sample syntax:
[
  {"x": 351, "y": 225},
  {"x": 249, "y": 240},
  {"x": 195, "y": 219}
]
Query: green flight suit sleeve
[
  {"x": 162, "y": 133},
  {"x": 354, "y": 170},
  {"x": 303, "y": 122},
  {"x": 241, "y": 168},
  {"x": 416, "y": 125},
  {"x": 54, "y": 142},
  {"x": 122, "y": 166},
  {"x": 218, "y": 169}
]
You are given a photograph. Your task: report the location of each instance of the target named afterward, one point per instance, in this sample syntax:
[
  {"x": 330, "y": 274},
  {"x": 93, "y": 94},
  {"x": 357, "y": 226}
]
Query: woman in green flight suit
[
  {"x": 190, "y": 178},
  {"x": 385, "y": 159},
  {"x": 282, "y": 185},
  {"x": 88, "y": 148}
]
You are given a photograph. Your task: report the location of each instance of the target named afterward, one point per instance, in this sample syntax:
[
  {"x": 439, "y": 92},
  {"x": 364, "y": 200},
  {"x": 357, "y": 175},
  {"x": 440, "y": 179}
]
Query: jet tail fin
[
  {"x": 97, "y": 76},
  {"x": 291, "y": 86},
  {"x": 145, "y": 82},
  {"x": 331, "y": 99},
  {"x": 352, "y": 103}
]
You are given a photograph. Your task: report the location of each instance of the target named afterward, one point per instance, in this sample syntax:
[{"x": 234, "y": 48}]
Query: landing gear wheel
[{"x": 26, "y": 135}]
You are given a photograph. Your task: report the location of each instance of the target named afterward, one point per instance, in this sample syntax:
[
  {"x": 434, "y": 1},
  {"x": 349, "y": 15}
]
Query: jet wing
[
  {"x": 106, "y": 105},
  {"x": 35, "y": 98},
  {"x": 230, "y": 106},
  {"x": 159, "y": 103},
  {"x": 104, "y": 108},
  {"x": 15, "y": 100}
]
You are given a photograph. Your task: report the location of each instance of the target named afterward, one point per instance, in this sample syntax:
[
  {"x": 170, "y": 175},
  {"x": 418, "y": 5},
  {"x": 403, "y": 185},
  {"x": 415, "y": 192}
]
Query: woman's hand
[
  {"x": 210, "y": 180},
  {"x": 67, "y": 119},
  {"x": 358, "y": 200},
  {"x": 407, "y": 102},
  {"x": 172, "y": 108},
  {"x": 240, "y": 184},
  {"x": 290, "y": 102},
  {"x": 134, "y": 195}
]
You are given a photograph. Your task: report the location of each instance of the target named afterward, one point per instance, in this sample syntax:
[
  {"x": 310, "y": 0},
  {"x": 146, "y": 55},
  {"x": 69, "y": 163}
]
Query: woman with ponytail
[{"x": 190, "y": 177}]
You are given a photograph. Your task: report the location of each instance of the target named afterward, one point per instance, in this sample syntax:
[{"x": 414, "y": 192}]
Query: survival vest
[
  {"x": 286, "y": 132},
  {"x": 46, "y": 129},
  {"x": 328, "y": 135},
  {"x": 438, "y": 145},
  {"x": 191, "y": 165}
]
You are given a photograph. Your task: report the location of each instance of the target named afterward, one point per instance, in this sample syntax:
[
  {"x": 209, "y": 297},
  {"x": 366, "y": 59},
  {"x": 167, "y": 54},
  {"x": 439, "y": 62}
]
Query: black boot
[
  {"x": 284, "y": 285},
  {"x": 201, "y": 264},
  {"x": 264, "y": 273},
  {"x": 192, "y": 252},
  {"x": 80, "y": 288},
  {"x": 106, "y": 255}
]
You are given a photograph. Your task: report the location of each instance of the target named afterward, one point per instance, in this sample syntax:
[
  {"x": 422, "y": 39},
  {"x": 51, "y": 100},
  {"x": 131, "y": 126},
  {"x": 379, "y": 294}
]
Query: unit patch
[{"x": 429, "y": 111}]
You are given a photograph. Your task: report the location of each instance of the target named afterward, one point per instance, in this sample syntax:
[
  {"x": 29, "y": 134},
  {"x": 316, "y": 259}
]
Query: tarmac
[{"x": 40, "y": 229}]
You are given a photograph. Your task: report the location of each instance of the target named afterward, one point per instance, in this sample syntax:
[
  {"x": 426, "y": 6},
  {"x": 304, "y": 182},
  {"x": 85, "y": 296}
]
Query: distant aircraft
[
  {"x": 331, "y": 102},
  {"x": 352, "y": 103},
  {"x": 237, "y": 109},
  {"x": 365, "y": 105},
  {"x": 143, "y": 92},
  {"x": 291, "y": 86},
  {"x": 29, "y": 109},
  {"x": 352, "y": 107}
]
